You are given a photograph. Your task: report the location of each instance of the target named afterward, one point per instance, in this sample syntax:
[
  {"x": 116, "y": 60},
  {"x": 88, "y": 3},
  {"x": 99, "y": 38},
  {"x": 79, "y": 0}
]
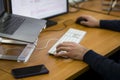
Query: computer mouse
[{"x": 78, "y": 20}]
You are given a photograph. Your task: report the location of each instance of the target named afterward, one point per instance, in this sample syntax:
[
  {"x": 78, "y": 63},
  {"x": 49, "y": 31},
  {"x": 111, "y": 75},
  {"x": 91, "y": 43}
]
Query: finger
[
  {"x": 62, "y": 54},
  {"x": 62, "y": 49},
  {"x": 84, "y": 23},
  {"x": 64, "y": 44}
]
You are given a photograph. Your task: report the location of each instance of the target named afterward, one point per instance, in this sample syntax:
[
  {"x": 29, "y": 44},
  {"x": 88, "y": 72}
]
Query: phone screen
[{"x": 29, "y": 71}]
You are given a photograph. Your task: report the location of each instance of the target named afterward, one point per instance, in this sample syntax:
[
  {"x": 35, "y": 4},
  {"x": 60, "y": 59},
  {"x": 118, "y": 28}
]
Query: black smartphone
[{"x": 29, "y": 71}]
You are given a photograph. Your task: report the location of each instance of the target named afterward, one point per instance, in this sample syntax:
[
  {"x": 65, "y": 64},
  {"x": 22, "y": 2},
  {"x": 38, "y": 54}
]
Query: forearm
[
  {"x": 110, "y": 24},
  {"x": 107, "y": 68}
]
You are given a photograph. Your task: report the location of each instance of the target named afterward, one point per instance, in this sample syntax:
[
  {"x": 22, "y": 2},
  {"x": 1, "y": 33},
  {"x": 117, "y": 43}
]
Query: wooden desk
[
  {"x": 100, "y": 40},
  {"x": 5, "y": 76}
]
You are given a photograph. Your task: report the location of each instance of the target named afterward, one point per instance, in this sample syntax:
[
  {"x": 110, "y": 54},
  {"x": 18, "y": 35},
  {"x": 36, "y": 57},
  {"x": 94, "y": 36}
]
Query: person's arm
[
  {"x": 104, "y": 66},
  {"x": 106, "y": 24},
  {"x": 110, "y": 24}
]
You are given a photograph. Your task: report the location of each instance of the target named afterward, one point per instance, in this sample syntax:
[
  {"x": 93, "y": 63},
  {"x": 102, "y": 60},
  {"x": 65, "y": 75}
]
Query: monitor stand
[{"x": 50, "y": 23}]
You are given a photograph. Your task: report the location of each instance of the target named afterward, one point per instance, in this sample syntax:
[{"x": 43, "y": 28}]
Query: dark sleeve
[
  {"x": 104, "y": 66},
  {"x": 110, "y": 24}
]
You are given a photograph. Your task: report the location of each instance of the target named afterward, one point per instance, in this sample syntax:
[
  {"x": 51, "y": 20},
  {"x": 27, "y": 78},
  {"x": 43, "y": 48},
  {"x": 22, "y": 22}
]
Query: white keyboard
[{"x": 72, "y": 35}]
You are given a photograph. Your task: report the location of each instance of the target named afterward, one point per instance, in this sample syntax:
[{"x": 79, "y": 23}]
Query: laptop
[{"x": 18, "y": 27}]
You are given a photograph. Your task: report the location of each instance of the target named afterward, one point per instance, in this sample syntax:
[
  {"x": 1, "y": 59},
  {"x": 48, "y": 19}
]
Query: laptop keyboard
[{"x": 11, "y": 25}]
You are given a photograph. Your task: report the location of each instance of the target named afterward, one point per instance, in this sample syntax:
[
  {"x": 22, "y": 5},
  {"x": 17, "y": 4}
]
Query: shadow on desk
[{"x": 91, "y": 74}]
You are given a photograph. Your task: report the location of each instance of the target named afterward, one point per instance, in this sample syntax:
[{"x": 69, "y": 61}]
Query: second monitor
[{"x": 41, "y": 9}]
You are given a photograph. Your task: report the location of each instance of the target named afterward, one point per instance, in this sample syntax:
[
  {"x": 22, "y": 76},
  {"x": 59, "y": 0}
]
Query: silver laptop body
[{"x": 28, "y": 30}]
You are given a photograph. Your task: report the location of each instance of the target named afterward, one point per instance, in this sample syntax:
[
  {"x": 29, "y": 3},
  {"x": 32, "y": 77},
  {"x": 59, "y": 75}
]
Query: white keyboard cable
[{"x": 47, "y": 43}]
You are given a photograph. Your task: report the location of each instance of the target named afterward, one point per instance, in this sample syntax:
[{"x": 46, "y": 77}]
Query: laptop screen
[{"x": 2, "y": 9}]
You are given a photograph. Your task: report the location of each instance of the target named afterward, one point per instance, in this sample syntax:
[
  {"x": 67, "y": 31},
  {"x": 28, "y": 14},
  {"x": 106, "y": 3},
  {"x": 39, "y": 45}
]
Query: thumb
[{"x": 83, "y": 22}]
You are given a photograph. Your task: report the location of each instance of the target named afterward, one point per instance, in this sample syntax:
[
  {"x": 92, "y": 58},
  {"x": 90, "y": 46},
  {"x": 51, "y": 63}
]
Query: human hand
[
  {"x": 72, "y": 50},
  {"x": 90, "y": 21}
]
